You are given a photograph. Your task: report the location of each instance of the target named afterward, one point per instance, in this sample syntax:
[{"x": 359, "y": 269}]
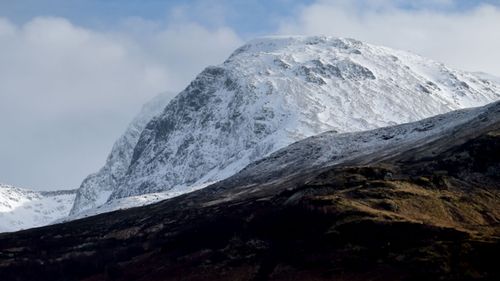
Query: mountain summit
[{"x": 274, "y": 91}]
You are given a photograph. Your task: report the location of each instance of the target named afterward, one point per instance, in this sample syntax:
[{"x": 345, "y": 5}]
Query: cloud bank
[{"x": 68, "y": 92}]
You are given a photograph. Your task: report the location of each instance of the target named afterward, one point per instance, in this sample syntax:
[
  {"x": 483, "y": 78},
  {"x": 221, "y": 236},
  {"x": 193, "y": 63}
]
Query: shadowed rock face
[
  {"x": 428, "y": 212},
  {"x": 96, "y": 188}
]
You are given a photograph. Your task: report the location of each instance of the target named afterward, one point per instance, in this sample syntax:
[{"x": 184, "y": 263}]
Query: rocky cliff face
[
  {"x": 96, "y": 188},
  {"x": 274, "y": 91}
]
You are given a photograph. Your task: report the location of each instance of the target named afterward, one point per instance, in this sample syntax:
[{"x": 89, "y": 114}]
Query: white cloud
[
  {"x": 467, "y": 39},
  {"x": 67, "y": 92}
]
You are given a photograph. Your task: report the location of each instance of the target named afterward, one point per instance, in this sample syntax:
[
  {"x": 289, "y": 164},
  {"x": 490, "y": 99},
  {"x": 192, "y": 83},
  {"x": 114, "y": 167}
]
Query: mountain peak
[
  {"x": 294, "y": 47},
  {"x": 274, "y": 91},
  {"x": 269, "y": 44}
]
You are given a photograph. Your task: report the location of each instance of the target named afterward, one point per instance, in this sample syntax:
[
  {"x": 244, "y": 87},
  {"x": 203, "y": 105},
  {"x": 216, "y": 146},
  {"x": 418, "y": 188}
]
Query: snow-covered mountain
[
  {"x": 96, "y": 188},
  {"x": 22, "y": 208},
  {"x": 274, "y": 91}
]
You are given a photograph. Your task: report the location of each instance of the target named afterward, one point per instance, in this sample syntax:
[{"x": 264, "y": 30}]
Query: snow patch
[{"x": 22, "y": 208}]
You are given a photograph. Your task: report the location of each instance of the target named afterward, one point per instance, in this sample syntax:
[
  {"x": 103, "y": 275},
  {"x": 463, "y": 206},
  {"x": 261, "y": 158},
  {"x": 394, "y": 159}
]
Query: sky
[{"x": 73, "y": 73}]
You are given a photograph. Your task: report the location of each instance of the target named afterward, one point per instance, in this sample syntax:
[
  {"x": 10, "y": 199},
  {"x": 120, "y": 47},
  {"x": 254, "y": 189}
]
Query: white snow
[{"x": 22, "y": 208}]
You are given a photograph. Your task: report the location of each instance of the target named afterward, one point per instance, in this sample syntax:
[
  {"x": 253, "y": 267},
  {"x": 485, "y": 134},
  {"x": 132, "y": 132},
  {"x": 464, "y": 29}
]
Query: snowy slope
[
  {"x": 23, "y": 208},
  {"x": 96, "y": 188},
  {"x": 274, "y": 91},
  {"x": 330, "y": 148}
]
